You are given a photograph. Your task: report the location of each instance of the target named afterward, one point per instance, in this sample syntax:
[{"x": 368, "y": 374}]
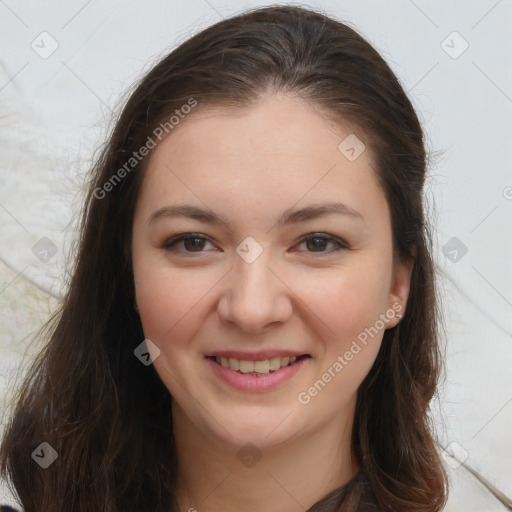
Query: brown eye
[
  {"x": 318, "y": 242},
  {"x": 192, "y": 242}
]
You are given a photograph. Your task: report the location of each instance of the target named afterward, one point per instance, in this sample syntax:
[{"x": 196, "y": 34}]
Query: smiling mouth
[{"x": 263, "y": 367}]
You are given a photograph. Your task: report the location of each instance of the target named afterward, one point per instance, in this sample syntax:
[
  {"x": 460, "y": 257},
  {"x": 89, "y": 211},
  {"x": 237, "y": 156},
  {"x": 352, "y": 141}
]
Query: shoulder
[{"x": 6, "y": 508}]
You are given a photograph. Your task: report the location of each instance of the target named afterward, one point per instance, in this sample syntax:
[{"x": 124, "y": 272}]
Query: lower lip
[{"x": 247, "y": 382}]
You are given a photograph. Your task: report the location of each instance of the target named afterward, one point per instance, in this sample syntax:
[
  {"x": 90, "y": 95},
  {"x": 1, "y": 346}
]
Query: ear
[{"x": 400, "y": 287}]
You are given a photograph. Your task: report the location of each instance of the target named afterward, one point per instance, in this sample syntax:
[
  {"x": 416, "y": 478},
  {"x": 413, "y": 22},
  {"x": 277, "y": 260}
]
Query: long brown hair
[{"x": 107, "y": 415}]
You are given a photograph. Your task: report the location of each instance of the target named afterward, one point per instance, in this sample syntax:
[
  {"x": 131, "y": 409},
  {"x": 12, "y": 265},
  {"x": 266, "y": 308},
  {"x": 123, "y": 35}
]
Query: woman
[{"x": 212, "y": 352}]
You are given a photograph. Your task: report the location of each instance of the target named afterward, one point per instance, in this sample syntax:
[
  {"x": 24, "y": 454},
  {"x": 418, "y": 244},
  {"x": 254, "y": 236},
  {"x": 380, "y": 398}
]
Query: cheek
[
  {"x": 348, "y": 298},
  {"x": 352, "y": 310},
  {"x": 170, "y": 301},
  {"x": 348, "y": 304}
]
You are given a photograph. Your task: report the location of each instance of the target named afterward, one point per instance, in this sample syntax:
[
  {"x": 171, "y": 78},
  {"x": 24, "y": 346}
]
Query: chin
[{"x": 263, "y": 432}]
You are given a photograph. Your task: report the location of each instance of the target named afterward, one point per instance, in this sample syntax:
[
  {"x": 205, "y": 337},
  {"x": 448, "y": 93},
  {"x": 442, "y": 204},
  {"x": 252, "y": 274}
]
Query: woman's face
[{"x": 251, "y": 283}]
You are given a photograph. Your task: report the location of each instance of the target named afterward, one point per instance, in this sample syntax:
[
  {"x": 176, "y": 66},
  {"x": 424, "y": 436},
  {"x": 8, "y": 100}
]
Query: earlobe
[{"x": 400, "y": 288}]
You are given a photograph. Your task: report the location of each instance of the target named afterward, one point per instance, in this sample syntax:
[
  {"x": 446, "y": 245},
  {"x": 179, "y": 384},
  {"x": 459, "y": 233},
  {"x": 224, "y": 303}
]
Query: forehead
[{"x": 278, "y": 152}]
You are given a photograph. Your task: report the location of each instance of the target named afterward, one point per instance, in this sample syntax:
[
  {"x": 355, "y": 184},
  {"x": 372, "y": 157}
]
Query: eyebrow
[{"x": 289, "y": 216}]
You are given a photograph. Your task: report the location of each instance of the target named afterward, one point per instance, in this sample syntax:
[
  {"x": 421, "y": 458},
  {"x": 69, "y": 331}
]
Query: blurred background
[{"x": 65, "y": 67}]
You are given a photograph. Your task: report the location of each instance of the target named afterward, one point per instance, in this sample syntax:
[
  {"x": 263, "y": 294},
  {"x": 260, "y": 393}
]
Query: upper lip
[{"x": 255, "y": 356}]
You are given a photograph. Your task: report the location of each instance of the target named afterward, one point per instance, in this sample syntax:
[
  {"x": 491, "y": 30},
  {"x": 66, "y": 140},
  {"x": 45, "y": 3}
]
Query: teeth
[
  {"x": 263, "y": 367},
  {"x": 246, "y": 366},
  {"x": 275, "y": 363}
]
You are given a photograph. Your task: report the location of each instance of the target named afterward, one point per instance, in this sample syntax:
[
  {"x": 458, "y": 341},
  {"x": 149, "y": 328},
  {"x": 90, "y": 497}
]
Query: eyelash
[{"x": 169, "y": 245}]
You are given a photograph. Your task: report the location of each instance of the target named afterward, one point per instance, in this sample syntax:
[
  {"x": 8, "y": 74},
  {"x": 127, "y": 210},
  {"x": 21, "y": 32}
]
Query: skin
[{"x": 249, "y": 166}]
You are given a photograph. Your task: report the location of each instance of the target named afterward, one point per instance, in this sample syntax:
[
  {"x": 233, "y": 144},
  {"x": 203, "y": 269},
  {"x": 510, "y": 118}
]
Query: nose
[{"x": 255, "y": 297}]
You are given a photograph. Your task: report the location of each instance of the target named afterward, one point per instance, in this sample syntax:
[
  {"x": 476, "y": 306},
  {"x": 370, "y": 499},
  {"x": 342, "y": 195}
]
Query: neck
[{"x": 215, "y": 477}]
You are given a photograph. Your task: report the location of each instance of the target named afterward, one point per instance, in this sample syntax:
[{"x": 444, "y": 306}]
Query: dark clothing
[{"x": 332, "y": 501}]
